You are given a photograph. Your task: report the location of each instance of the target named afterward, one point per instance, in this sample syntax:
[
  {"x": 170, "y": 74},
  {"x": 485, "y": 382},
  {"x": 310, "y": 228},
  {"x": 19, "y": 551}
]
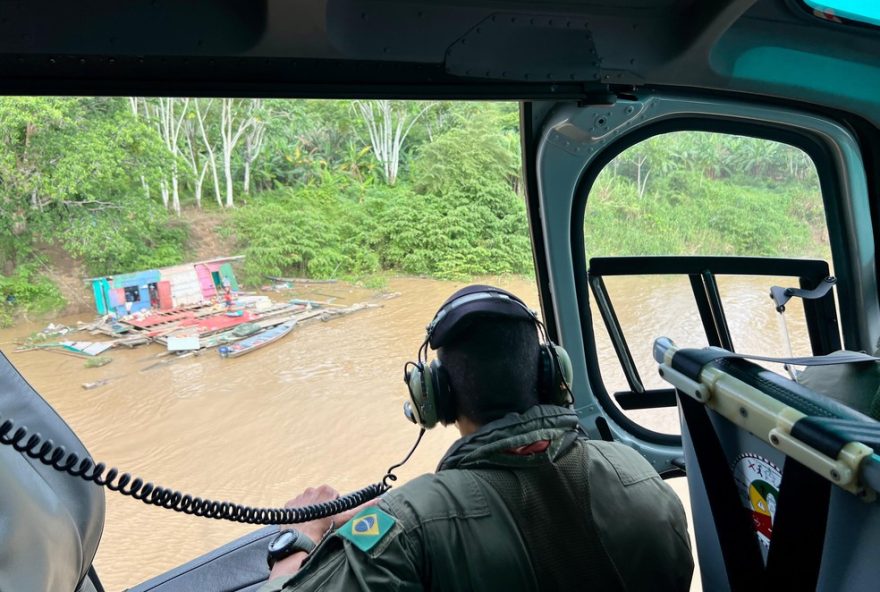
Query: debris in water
[{"x": 98, "y": 361}]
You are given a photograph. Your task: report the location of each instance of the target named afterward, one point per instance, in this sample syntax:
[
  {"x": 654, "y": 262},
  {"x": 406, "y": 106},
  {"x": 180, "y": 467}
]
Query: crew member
[{"x": 523, "y": 501}]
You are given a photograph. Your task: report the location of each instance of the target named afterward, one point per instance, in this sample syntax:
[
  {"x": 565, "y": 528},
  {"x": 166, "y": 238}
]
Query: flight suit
[{"x": 524, "y": 503}]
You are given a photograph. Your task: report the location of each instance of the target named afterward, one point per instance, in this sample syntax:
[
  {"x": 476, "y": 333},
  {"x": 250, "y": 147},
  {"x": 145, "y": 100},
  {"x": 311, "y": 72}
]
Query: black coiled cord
[{"x": 59, "y": 459}]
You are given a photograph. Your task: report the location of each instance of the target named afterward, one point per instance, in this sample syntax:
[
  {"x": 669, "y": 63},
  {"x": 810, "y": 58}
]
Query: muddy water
[{"x": 322, "y": 405}]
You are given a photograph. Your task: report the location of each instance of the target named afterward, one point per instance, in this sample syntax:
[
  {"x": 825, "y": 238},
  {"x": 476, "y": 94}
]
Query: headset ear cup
[
  {"x": 554, "y": 375},
  {"x": 444, "y": 398},
  {"x": 421, "y": 392},
  {"x": 564, "y": 375}
]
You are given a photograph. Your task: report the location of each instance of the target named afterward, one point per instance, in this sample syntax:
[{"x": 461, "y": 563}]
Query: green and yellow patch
[{"x": 367, "y": 528}]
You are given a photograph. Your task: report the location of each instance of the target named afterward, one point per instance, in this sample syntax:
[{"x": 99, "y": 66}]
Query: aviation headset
[{"x": 431, "y": 396}]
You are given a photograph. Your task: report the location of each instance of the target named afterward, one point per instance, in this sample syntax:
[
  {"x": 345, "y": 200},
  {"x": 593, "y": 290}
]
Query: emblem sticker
[
  {"x": 367, "y": 528},
  {"x": 757, "y": 480}
]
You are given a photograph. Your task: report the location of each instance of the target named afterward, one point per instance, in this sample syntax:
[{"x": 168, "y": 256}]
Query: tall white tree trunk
[
  {"x": 134, "y": 103},
  {"x": 163, "y": 188},
  {"x": 175, "y": 190},
  {"x": 199, "y": 184},
  {"x": 253, "y": 141},
  {"x": 201, "y": 117},
  {"x": 227, "y": 171},
  {"x": 170, "y": 114},
  {"x": 234, "y": 122},
  {"x": 388, "y": 127}
]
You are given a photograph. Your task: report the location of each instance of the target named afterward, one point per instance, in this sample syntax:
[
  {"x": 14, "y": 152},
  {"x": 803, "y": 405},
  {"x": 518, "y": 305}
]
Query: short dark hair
[{"x": 493, "y": 368}]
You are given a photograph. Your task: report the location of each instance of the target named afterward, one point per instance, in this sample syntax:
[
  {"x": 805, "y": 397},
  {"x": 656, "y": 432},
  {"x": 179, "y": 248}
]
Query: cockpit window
[
  {"x": 686, "y": 233},
  {"x": 235, "y": 285},
  {"x": 842, "y": 11}
]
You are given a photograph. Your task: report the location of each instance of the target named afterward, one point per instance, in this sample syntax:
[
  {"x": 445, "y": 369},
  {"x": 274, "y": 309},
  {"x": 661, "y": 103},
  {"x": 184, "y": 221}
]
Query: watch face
[{"x": 281, "y": 540}]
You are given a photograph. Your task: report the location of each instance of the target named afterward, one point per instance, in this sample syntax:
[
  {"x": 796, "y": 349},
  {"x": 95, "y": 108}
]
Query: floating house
[{"x": 164, "y": 288}]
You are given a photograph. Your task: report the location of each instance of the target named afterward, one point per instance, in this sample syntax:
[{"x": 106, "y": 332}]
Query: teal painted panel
[
  {"x": 227, "y": 274},
  {"x": 137, "y": 278},
  {"x": 100, "y": 296},
  {"x": 801, "y": 69},
  {"x": 863, "y": 11}
]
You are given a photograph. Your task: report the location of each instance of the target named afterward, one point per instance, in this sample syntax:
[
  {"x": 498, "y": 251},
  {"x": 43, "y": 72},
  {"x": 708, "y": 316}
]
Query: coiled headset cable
[{"x": 57, "y": 457}]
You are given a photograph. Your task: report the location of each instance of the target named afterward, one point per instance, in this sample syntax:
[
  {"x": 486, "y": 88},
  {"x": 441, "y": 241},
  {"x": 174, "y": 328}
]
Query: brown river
[{"x": 323, "y": 405}]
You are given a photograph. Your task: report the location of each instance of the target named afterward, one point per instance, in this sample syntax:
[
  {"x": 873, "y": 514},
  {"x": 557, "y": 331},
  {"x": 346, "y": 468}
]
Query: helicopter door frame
[{"x": 565, "y": 147}]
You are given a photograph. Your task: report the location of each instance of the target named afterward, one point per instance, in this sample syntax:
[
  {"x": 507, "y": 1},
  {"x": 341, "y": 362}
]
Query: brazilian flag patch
[{"x": 367, "y": 528}]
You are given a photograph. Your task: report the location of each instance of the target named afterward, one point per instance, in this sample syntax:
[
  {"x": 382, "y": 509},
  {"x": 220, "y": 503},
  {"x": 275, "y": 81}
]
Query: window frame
[{"x": 829, "y": 183}]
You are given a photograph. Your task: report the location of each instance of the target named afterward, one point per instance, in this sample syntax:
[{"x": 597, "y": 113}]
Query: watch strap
[{"x": 300, "y": 542}]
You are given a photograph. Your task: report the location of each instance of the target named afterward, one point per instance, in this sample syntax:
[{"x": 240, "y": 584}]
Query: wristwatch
[{"x": 286, "y": 543}]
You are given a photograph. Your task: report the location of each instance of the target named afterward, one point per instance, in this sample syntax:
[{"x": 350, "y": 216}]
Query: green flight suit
[{"x": 580, "y": 515}]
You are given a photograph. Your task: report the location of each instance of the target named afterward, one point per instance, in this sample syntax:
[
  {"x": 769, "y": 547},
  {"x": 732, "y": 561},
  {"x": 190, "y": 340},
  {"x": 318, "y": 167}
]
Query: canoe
[
  {"x": 239, "y": 332},
  {"x": 259, "y": 340}
]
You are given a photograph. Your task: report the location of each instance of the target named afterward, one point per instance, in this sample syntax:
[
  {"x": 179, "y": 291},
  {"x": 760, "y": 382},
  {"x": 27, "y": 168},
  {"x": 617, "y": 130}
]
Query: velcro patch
[{"x": 367, "y": 528}]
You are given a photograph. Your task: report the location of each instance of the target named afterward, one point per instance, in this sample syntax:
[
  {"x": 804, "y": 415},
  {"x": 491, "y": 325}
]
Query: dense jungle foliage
[{"x": 355, "y": 188}]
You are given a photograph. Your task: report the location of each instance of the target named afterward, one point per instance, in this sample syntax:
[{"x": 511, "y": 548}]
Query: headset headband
[{"x": 476, "y": 301}]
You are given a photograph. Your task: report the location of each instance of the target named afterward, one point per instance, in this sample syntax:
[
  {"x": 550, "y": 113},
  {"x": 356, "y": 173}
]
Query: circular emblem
[
  {"x": 365, "y": 524},
  {"x": 757, "y": 480}
]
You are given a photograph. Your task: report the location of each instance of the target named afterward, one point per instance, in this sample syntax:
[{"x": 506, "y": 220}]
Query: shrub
[
  {"x": 138, "y": 234},
  {"x": 27, "y": 291}
]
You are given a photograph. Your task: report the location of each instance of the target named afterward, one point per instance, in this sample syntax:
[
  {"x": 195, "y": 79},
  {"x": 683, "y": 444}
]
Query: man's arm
[{"x": 370, "y": 551}]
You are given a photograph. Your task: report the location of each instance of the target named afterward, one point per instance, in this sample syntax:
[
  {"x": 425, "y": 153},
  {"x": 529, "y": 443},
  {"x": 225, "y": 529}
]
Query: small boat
[
  {"x": 239, "y": 332},
  {"x": 257, "y": 341}
]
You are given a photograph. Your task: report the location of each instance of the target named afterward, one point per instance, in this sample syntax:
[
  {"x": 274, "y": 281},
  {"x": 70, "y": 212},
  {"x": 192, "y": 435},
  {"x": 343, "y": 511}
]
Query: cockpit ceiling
[{"x": 489, "y": 48}]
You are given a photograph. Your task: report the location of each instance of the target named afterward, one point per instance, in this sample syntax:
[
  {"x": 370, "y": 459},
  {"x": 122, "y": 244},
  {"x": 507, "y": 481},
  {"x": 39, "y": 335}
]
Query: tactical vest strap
[{"x": 550, "y": 504}]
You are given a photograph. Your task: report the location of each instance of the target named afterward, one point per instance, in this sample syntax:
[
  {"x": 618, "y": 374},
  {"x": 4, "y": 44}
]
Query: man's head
[
  {"x": 492, "y": 368},
  {"x": 490, "y": 362}
]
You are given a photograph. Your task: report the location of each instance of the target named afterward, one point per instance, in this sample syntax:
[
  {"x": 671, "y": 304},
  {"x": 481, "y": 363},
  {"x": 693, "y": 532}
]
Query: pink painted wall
[{"x": 206, "y": 281}]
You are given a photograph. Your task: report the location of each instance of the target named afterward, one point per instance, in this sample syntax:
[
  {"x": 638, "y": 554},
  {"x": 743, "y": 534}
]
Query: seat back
[
  {"x": 768, "y": 466},
  {"x": 50, "y": 523}
]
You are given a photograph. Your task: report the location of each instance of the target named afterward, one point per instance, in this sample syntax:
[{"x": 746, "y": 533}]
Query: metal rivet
[
  {"x": 835, "y": 475},
  {"x": 774, "y": 439},
  {"x": 743, "y": 412}
]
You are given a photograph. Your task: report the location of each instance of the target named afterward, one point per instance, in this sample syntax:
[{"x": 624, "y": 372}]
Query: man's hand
[{"x": 315, "y": 529}]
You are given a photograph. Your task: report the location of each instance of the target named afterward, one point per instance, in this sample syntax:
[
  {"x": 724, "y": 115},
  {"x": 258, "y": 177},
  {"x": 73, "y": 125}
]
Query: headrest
[
  {"x": 50, "y": 522},
  {"x": 471, "y": 303}
]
